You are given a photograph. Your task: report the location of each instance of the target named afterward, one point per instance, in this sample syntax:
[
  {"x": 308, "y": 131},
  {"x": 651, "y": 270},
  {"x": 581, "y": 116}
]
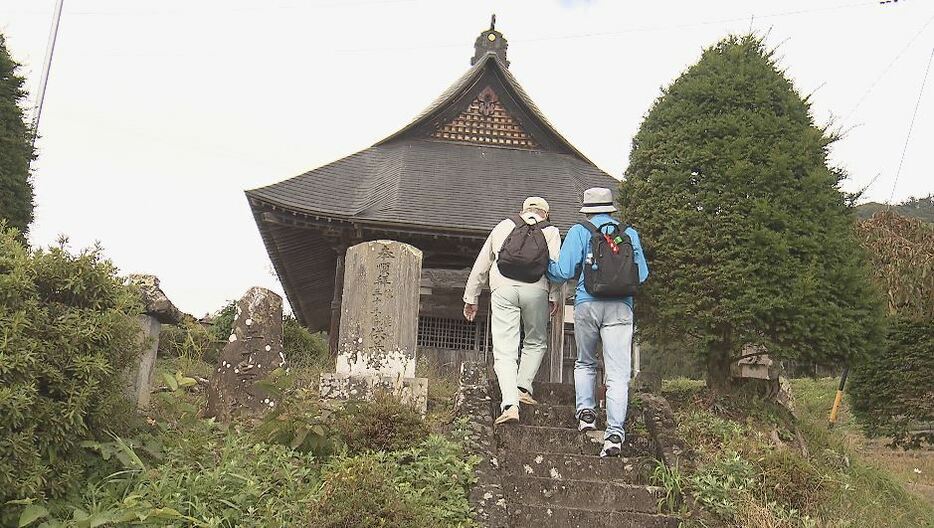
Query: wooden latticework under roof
[{"x": 487, "y": 122}]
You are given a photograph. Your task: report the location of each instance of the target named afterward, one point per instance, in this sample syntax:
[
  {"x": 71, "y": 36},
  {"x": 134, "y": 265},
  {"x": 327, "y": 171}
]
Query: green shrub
[
  {"x": 425, "y": 486},
  {"x": 891, "y": 392},
  {"x": 380, "y": 425},
  {"x": 223, "y": 479},
  {"x": 720, "y": 485},
  {"x": 360, "y": 493},
  {"x": 436, "y": 476},
  {"x": 792, "y": 480},
  {"x": 303, "y": 423},
  {"x": 68, "y": 331},
  {"x": 302, "y": 348},
  {"x": 223, "y": 322},
  {"x": 189, "y": 341}
]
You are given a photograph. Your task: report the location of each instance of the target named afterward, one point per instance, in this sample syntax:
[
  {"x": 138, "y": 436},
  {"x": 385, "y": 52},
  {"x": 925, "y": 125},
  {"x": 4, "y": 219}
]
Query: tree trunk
[{"x": 718, "y": 368}]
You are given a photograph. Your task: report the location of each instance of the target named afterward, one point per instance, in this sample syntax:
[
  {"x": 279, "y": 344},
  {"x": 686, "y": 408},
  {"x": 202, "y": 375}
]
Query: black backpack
[
  {"x": 609, "y": 272},
  {"x": 524, "y": 255}
]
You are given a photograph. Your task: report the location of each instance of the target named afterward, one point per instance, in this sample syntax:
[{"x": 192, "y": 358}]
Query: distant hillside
[{"x": 922, "y": 208}]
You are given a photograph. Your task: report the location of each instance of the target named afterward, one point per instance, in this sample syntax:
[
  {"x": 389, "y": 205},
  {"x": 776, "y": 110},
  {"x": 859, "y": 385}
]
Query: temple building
[{"x": 440, "y": 183}]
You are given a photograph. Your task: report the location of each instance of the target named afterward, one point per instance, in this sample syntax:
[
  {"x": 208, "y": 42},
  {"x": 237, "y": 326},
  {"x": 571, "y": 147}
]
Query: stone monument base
[{"x": 410, "y": 391}]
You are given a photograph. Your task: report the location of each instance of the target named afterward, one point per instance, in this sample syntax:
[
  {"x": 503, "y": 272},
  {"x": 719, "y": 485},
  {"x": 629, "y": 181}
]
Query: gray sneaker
[
  {"x": 586, "y": 420},
  {"x": 612, "y": 446}
]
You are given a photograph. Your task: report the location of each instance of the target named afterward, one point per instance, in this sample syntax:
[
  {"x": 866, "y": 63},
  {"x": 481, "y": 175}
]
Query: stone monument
[
  {"x": 253, "y": 351},
  {"x": 379, "y": 325},
  {"x": 157, "y": 310}
]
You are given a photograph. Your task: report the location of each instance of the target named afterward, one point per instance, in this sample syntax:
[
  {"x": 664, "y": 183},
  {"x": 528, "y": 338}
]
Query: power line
[
  {"x": 911, "y": 126},
  {"x": 886, "y": 69},
  {"x": 644, "y": 29},
  {"x": 46, "y": 67}
]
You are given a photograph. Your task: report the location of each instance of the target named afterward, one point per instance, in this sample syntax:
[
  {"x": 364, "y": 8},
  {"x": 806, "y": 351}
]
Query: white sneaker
[
  {"x": 612, "y": 446},
  {"x": 586, "y": 420},
  {"x": 509, "y": 415}
]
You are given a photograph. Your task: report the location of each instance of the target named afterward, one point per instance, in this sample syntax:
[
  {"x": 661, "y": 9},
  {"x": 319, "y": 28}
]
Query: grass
[
  {"x": 913, "y": 469},
  {"x": 181, "y": 470},
  {"x": 756, "y": 466}
]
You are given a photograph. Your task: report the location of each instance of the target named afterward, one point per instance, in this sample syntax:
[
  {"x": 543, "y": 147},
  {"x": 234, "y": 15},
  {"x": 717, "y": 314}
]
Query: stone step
[
  {"x": 551, "y": 415},
  {"x": 523, "y": 515},
  {"x": 632, "y": 470},
  {"x": 585, "y": 494},
  {"x": 537, "y": 439},
  {"x": 553, "y": 393}
]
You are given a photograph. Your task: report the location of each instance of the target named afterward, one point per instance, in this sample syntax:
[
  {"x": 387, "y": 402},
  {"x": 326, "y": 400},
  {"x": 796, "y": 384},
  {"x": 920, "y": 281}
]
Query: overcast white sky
[{"x": 160, "y": 113}]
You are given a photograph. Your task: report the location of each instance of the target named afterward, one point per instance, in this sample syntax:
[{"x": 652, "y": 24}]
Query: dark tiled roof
[{"x": 439, "y": 185}]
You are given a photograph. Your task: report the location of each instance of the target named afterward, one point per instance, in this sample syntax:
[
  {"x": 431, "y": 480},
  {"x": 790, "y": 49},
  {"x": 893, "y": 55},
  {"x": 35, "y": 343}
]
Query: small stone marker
[
  {"x": 139, "y": 376},
  {"x": 253, "y": 351},
  {"x": 158, "y": 310},
  {"x": 379, "y": 325}
]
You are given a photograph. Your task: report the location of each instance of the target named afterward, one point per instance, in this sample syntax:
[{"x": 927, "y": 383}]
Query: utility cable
[
  {"x": 885, "y": 71},
  {"x": 911, "y": 126}
]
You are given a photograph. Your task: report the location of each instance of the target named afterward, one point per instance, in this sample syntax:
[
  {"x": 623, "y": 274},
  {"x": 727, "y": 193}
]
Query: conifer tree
[
  {"x": 749, "y": 239},
  {"x": 16, "y": 149}
]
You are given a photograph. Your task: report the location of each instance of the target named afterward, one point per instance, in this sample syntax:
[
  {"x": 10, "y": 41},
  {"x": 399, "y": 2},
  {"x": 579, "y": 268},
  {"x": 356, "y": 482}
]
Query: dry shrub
[{"x": 381, "y": 425}]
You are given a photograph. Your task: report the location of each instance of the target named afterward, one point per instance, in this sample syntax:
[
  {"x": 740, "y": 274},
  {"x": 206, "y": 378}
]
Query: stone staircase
[{"x": 552, "y": 476}]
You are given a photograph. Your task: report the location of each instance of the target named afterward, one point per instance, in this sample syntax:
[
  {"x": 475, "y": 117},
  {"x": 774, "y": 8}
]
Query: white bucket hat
[{"x": 598, "y": 200}]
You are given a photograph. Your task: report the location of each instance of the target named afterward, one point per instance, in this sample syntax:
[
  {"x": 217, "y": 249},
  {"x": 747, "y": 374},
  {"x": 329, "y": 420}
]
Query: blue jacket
[{"x": 574, "y": 252}]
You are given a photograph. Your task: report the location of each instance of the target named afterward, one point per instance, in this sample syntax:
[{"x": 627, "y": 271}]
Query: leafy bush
[
  {"x": 902, "y": 254},
  {"x": 892, "y": 393},
  {"x": 223, "y": 480},
  {"x": 189, "y": 341},
  {"x": 425, "y": 486},
  {"x": 303, "y": 423},
  {"x": 223, "y": 322},
  {"x": 380, "y": 425},
  {"x": 791, "y": 480},
  {"x": 302, "y": 348},
  {"x": 436, "y": 476},
  {"x": 361, "y": 493},
  {"x": 68, "y": 331},
  {"x": 891, "y": 390},
  {"x": 719, "y": 485}
]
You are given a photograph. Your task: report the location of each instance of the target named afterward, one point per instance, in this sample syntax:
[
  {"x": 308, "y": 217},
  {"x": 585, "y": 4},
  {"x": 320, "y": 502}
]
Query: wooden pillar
[
  {"x": 334, "y": 331},
  {"x": 556, "y": 341}
]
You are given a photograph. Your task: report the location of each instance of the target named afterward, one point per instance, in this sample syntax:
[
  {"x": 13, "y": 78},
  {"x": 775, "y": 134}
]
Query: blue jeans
[{"x": 611, "y": 323}]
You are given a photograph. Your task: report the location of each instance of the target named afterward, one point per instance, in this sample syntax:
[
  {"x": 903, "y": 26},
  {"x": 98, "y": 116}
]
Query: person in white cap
[
  {"x": 599, "y": 317},
  {"x": 514, "y": 260}
]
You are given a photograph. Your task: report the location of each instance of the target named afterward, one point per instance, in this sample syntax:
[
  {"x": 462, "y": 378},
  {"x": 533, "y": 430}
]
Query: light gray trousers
[{"x": 512, "y": 305}]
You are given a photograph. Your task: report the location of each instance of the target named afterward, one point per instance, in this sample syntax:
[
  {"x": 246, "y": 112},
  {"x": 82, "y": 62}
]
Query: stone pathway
[{"x": 552, "y": 476}]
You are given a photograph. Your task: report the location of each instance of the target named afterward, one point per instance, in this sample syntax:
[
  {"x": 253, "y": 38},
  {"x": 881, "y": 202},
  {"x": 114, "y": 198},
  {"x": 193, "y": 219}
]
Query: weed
[{"x": 670, "y": 479}]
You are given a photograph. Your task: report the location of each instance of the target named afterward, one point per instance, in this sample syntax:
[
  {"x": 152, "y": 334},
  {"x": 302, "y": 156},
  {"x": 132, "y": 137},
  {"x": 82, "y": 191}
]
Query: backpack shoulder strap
[
  {"x": 518, "y": 220},
  {"x": 594, "y": 230}
]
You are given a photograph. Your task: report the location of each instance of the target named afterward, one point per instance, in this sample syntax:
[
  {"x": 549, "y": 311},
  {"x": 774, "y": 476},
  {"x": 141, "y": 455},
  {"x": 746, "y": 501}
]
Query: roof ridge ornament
[{"x": 490, "y": 41}]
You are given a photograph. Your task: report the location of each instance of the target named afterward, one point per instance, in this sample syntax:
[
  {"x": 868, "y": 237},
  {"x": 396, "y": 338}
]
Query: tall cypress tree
[
  {"x": 749, "y": 238},
  {"x": 16, "y": 149}
]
